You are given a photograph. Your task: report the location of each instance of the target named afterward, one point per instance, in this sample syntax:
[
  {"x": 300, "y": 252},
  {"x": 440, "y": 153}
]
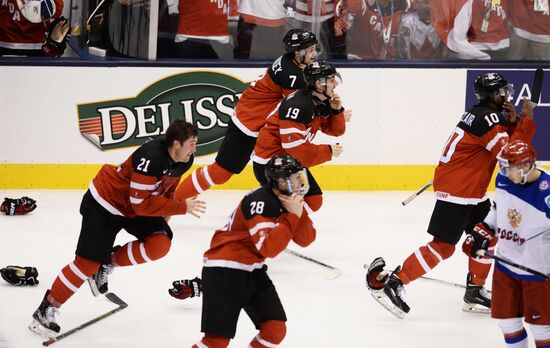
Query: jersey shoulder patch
[
  {"x": 261, "y": 201},
  {"x": 151, "y": 159},
  {"x": 479, "y": 120},
  {"x": 286, "y": 73},
  {"x": 297, "y": 107}
]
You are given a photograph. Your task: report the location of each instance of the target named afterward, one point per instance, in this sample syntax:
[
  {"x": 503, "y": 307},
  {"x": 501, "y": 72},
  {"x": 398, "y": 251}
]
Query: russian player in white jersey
[{"x": 520, "y": 219}]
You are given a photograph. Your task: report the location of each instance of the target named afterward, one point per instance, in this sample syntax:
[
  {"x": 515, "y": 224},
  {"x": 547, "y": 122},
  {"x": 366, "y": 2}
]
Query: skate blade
[
  {"x": 475, "y": 308},
  {"x": 39, "y": 329},
  {"x": 93, "y": 287},
  {"x": 384, "y": 300}
]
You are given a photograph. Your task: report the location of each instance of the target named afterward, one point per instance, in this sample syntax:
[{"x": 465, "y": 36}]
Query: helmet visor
[
  {"x": 506, "y": 92},
  {"x": 297, "y": 183}
]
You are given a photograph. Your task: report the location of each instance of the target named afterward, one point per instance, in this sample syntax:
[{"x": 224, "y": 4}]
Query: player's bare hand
[
  {"x": 527, "y": 109},
  {"x": 335, "y": 102},
  {"x": 293, "y": 204},
  {"x": 347, "y": 115},
  {"x": 337, "y": 149},
  {"x": 60, "y": 30},
  {"x": 510, "y": 111},
  {"x": 195, "y": 207}
]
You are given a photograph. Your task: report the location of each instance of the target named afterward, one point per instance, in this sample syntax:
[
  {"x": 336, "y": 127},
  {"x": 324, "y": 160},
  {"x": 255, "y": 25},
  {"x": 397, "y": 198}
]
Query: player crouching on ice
[
  {"x": 234, "y": 275},
  {"x": 520, "y": 219}
]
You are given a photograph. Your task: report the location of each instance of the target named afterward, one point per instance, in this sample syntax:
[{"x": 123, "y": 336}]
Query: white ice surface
[{"x": 352, "y": 227}]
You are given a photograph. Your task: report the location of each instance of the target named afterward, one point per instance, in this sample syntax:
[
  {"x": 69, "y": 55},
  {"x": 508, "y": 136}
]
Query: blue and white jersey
[{"x": 520, "y": 217}]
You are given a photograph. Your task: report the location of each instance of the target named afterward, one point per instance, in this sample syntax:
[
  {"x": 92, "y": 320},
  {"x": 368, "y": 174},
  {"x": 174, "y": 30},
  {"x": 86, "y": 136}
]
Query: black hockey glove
[
  {"x": 57, "y": 34},
  {"x": 18, "y": 276},
  {"x": 478, "y": 239},
  {"x": 21, "y": 206},
  {"x": 183, "y": 289},
  {"x": 375, "y": 279}
]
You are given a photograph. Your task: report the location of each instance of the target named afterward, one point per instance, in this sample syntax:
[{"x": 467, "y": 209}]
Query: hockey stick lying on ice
[
  {"x": 111, "y": 297},
  {"x": 511, "y": 263},
  {"x": 444, "y": 282},
  {"x": 334, "y": 272},
  {"x": 417, "y": 193}
]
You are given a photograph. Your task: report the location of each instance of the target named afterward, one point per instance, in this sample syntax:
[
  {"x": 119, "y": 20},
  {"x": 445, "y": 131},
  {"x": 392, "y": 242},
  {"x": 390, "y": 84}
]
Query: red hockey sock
[
  {"x": 313, "y": 203},
  {"x": 424, "y": 259},
  {"x": 272, "y": 333},
  {"x": 135, "y": 252},
  {"x": 213, "y": 341},
  {"x": 202, "y": 179},
  {"x": 479, "y": 268},
  {"x": 70, "y": 279}
]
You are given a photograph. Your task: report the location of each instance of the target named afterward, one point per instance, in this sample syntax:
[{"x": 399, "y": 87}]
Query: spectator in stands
[
  {"x": 375, "y": 26},
  {"x": 472, "y": 29},
  {"x": 530, "y": 34},
  {"x": 261, "y": 29},
  {"x": 417, "y": 38},
  {"x": 25, "y": 24},
  {"x": 322, "y": 20},
  {"x": 199, "y": 23}
]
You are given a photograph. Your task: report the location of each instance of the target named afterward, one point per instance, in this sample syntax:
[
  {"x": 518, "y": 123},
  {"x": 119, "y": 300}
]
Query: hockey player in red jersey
[
  {"x": 135, "y": 196},
  {"x": 520, "y": 219},
  {"x": 257, "y": 102},
  {"x": 234, "y": 273},
  {"x": 27, "y": 28},
  {"x": 293, "y": 126},
  {"x": 460, "y": 183}
]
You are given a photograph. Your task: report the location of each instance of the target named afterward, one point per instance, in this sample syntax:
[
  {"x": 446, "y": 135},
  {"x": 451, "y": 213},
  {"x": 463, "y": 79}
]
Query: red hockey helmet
[{"x": 512, "y": 159}]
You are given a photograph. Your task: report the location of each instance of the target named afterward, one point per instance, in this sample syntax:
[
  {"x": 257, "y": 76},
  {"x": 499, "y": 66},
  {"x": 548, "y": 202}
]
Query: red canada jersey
[
  {"x": 469, "y": 27},
  {"x": 527, "y": 21},
  {"x": 294, "y": 126},
  {"x": 376, "y": 29},
  {"x": 418, "y": 40},
  {"x": 203, "y": 19},
  {"x": 263, "y": 96},
  {"x": 143, "y": 185},
  {"x": 259, "y": 228},
  {"x": 304, "y": 10},
  {"x": 469, "y": 156},
  {"x": 16, "y": 32}
]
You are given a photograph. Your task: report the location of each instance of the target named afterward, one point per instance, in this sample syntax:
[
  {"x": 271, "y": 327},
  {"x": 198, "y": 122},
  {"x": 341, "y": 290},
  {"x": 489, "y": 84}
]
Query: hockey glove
[
  {"x": 183, "y": 289},
  {"x": 57, "y": 34},
  {"x": 478, "y": 239},
  {"x": 19, "y": 276},
  {"x": 19, "y": 206},
  {"x": 376, "y": 276}
]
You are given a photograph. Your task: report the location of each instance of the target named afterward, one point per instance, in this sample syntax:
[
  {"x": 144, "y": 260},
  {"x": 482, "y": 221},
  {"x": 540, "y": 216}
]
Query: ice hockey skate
[
  {"x": 386, "y": 288},
  {"x": 99, "y": 281},
  {"x": 477, "y": 299},
  {"x": 44, "y": 322}
]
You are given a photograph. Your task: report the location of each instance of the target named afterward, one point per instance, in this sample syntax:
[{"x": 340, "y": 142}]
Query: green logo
[{"x": 205, "y": 99}]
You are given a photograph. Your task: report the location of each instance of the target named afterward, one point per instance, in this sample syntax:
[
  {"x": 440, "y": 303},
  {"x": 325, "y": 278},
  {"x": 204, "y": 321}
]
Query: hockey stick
[
  {"x": 511, "y": 263},
  {"x": 334, "y": 272},
  {"x": 111, "y": 297},
  {"x": 417, "y": 193},
  {"x": 444, "y": 282},
  {"x": 537, "y": 87}
]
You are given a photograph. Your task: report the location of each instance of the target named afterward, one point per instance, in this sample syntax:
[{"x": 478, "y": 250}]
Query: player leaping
[
  {"x": 283, "y": 77},
  {"x": 460, "y": 182}
]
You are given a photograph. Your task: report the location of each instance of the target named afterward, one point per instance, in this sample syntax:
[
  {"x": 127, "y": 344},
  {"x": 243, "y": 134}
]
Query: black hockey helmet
[
  {"x": 283, "y": 167},
  {"x": 491, "y": 85},
  {"x": 299, "y": 39},
  {"x": 320, "y": 70}
]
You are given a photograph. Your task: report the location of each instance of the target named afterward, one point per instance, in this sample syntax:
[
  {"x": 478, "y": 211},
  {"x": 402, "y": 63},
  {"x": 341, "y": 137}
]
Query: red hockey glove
[
  {"x": 375, "y": 279},
  {"x": 478, "y": 239},
  {"x": 19, "y": 206},
  {"x": 183, "y": 289},
  {"x": 19, "y": 276}
]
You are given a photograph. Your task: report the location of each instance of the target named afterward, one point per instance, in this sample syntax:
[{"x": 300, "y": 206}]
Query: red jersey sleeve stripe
[
  {"x": 143, "y": 187},
  {"x": 293, "y": 144},
  {"x": 292, "y": 130},
  {"x": 260, "y": 226},
  {"x": 495, "y": 140}
]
